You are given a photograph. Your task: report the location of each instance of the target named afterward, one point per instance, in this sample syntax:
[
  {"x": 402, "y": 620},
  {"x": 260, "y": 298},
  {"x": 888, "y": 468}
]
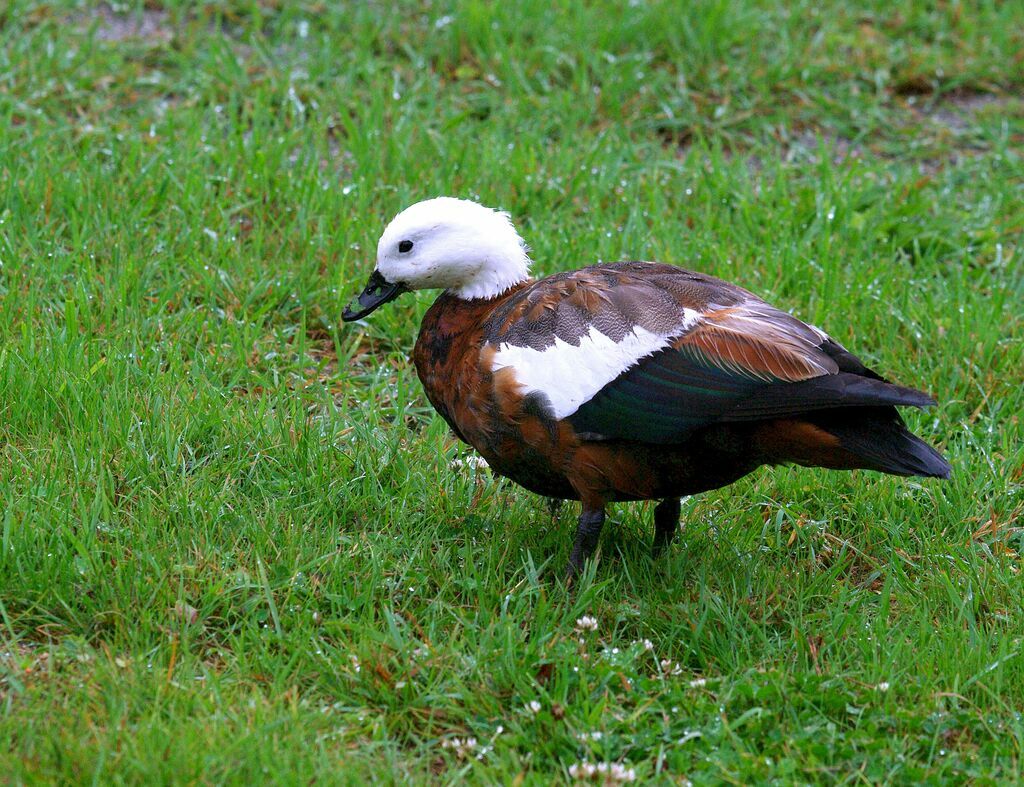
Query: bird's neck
[{"x": 494, "y": 281}]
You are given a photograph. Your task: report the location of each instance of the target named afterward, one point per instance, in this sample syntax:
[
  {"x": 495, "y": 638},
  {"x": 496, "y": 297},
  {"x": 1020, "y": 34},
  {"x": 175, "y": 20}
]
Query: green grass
[{"x": 233, "y": 545}]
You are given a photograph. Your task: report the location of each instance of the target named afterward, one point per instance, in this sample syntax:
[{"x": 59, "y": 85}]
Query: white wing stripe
[{"x": 569, "y": 376}]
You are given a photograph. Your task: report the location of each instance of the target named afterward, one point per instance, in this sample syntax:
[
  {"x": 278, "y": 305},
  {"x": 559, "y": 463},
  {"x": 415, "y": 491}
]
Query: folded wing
[{"x": 654, "y": 353}]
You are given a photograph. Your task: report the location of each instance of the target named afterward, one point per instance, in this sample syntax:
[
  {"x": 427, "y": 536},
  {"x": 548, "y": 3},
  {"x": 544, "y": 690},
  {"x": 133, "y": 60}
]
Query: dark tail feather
[
  {"x": 879, "y": 438},
  {"x": 837, "y": 391}
]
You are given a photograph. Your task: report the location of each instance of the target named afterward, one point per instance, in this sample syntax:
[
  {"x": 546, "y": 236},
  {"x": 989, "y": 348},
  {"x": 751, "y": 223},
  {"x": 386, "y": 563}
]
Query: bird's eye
[{"x": 404, "y": 246}]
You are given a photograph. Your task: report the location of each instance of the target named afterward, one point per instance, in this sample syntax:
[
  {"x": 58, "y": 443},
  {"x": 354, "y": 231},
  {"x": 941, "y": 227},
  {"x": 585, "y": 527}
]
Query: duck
[{"x": 627, "y": 381}]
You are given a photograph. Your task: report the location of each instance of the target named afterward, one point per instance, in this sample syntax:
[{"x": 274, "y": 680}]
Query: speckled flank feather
[{"x": 566, "y": 337}]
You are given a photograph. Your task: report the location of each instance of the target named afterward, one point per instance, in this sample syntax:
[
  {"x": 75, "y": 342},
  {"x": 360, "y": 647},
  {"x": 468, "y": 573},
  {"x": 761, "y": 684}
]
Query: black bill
[{"x": 377, "y": 292}]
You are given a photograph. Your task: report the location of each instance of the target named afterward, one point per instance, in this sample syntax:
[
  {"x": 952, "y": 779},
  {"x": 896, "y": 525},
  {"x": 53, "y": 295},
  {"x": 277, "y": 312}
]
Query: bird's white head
[
  {"x": 454, "y": 244},
  {"x": 445, "y": 243}
]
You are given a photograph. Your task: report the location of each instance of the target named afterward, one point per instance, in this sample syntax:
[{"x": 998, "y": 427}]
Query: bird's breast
[{"x": 486, "y": 406}]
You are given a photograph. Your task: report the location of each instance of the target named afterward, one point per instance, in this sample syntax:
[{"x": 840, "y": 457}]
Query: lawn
[{"x": 238, "y": 546}]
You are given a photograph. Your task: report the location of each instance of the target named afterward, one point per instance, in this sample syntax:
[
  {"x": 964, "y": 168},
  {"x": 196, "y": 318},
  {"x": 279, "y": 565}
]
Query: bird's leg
[
  {"x": 588, "y": 531},
  {"x": 666, "y": 523}
]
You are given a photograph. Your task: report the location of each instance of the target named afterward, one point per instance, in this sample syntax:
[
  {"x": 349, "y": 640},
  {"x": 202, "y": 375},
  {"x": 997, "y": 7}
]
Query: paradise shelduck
[{"x": 626, "y": 381}]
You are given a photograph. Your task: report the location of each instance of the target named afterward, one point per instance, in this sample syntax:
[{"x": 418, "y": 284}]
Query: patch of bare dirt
[
  {"x": 957, "y": 110},
  {"x": 944, "y": 121},
  {"x": 806, "y": 143},
  {"x": 112, "y": 25}
]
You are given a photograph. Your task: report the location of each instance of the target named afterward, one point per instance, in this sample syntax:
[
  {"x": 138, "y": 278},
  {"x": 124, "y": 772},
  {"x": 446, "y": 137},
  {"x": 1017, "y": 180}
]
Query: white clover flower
[
  {"x": 586, "y": 623},
  {"x": 698, "y": 683},
  {"x": 462, "y": 748},
  {"x": 533, "y": 706},
  {"x": 471, "y": 462},
  {"x": 883, "y": 686},
  {"x": 607, "y": 772},
  {"x": 670, "y": 667}
]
